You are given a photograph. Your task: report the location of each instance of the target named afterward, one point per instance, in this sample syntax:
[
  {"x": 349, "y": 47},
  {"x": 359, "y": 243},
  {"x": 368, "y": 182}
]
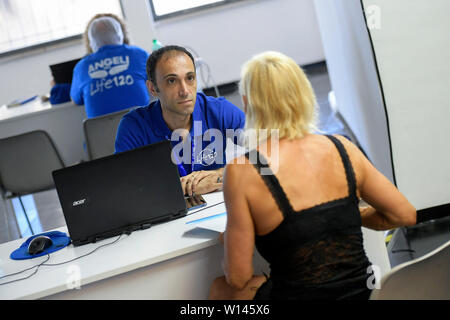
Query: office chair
[
  {"x": 425, "y": 278},
  {"x": 26, "y": 164},
  {"x": 100, "y": 133}
]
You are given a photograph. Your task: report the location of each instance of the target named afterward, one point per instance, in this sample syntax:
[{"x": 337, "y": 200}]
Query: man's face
[{"x": 176, "y": 83}]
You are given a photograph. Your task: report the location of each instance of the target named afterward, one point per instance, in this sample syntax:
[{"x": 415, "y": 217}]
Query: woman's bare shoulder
[
  {"x": 351, "y": 148},
  {"x": 357, "y": 158},
  {"x": 237, "y": 166}
]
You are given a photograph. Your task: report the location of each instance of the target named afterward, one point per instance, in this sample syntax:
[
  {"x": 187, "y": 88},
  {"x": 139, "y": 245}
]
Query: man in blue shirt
[
  {"x": 113, "y": 77},
  {"x": 197, "y": 125}
]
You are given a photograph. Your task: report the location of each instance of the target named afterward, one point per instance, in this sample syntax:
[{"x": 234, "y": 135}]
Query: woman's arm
[
  {"x": 373, "y": 219},
  {"x": 239, "y": 236},
  {"x": 389, "y": 207}
]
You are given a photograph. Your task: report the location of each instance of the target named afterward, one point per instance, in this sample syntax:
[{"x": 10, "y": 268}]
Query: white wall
[
  {"x": 224, "y": 36},
  {"x": 353, "y": 77},
  {"x": 139, "y": 22},
  {"x": 410, "y": 62},
  {"x": 28, "y": 74},
  {"x": 413, "y": 57}
]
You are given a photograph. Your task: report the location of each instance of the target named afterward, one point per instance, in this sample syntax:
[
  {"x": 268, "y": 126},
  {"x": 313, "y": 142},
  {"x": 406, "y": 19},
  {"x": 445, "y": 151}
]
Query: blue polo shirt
[
  {"x": 111, "y": 79},
  {"x": 214, "y": 119}
]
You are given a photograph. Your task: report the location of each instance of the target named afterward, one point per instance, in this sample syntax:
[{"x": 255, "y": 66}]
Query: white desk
[
  {"x": 163, "y": 262},
  {"x": 34, "y": 106},
  {"x": 167, "y": 261}
]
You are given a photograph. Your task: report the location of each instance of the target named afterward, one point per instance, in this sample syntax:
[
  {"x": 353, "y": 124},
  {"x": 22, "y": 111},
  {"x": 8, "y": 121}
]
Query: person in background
[
  {"x": 60, "y": 92},
  {"x": 62, "y": 74},
  {"x": 112, "y": 77},
  {"x": 123, "y": 26},
  {"x": 184, "y": 116},
  {"x": 304, "y": 219}
]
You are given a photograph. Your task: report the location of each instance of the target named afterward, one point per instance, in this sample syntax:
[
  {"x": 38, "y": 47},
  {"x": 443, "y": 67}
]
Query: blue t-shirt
[
  {"x": 60, "y": 93},
  {"x": 111, "y": 79},
  {"x": 214, "y": 120}
]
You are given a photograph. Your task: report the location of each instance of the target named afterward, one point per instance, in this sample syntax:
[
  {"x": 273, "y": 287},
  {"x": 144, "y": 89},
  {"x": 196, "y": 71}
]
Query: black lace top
[{"x": 316, "y": 253}]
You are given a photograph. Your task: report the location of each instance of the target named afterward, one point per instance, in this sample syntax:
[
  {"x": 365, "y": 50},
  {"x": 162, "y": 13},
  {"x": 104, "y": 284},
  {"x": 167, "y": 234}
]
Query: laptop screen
[
  {"x": 119, "y": 193},
  {"x": 63, "y": 72}
]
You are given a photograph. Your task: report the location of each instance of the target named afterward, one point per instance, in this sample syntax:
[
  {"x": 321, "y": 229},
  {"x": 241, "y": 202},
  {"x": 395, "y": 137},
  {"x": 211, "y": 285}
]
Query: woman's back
[
  {"x": 307, "y": 221},
  {"x": 310, "y": 171}
]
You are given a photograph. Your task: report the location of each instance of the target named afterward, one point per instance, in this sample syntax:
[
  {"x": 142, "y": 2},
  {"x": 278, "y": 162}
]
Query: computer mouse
[{"x": 39, "y": 244}]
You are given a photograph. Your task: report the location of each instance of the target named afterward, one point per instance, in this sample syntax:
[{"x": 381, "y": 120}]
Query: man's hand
[{"x": 201, "y": 182}]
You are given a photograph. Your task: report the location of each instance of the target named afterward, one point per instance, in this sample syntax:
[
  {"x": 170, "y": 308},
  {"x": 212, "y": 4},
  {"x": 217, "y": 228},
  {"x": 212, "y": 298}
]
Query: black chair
[
  {"x": 26, "y": 164},
  {"x": 100, "y": 134}
]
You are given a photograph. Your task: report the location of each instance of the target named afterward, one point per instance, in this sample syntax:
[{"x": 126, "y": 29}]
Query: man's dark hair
[{"x": 157, "y": 55}]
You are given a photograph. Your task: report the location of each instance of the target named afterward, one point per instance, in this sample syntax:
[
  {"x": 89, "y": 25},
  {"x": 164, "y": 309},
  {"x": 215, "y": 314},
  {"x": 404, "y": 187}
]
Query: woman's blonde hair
[
  {"x": 126, "y": 39},
  {"x": 279, "y": 96}
]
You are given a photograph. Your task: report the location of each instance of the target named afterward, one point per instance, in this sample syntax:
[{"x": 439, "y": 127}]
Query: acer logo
[{"x": 78, "y": 203}]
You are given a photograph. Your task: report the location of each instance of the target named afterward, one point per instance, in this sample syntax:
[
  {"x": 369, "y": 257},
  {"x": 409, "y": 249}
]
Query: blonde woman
[{"x": 304, "y": 220}]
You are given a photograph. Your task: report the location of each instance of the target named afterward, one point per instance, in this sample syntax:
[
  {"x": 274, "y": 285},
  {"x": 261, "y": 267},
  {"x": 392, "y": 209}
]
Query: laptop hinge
[{"x": 145, "y": 226}]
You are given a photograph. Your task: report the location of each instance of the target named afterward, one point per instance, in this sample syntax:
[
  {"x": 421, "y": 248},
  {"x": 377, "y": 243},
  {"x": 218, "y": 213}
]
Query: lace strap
[
  {"x": 271, "y": 181},
  {"x": 350, "y": 174}
]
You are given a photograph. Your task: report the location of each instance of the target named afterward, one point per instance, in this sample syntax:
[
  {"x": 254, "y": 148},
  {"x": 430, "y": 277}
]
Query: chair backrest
[
  {"x": 100, "y": 133},
  {"x": 27, "y": 161},
  {"x": 425, "y": 278}
]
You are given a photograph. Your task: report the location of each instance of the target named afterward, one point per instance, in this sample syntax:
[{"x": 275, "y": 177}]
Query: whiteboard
[{"x": 411, "y": 44}]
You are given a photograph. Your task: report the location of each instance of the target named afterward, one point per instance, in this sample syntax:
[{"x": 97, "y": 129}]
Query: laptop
[
  {"x": 63, "y": 72},
  {"x": 122, "y": 193}
]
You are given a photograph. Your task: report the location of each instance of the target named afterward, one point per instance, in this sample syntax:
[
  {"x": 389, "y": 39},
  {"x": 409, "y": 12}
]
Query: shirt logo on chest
[{"x": 207, "y": 157}]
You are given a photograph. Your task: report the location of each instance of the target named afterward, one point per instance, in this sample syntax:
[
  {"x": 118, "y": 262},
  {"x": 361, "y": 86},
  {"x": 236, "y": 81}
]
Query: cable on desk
[
  {"x": 13, "y": 274},
  {"x": 54, "y": 264},
  {"x": 103, "y": 245}
]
